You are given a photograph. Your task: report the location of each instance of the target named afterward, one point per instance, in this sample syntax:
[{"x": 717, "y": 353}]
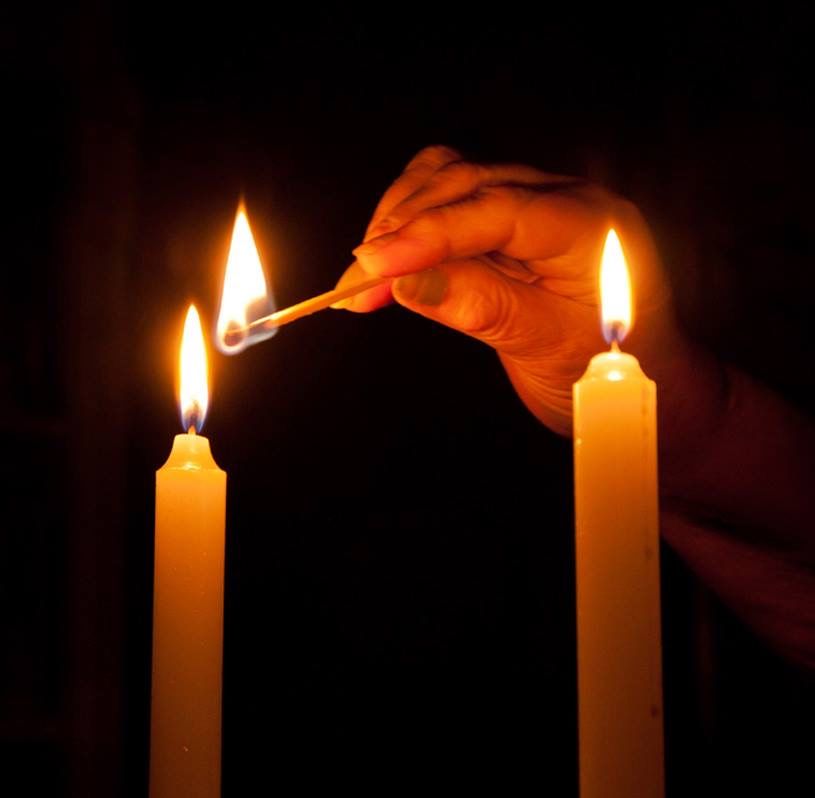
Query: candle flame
[
  {"x": 193, "y": 387},
  {"x": 615, "y": 290},
  {"x": 245, "y": 296}
]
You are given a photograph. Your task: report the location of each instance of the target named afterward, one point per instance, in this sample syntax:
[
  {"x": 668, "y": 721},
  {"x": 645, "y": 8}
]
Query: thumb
[{"x": 513, "y": 317}]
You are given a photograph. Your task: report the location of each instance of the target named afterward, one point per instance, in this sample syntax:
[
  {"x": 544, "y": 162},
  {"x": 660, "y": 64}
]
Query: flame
[
  {"x": 193, "y": 396},
  {"x": 244, "y": 297},
  {"x": 615, "y": 290}
]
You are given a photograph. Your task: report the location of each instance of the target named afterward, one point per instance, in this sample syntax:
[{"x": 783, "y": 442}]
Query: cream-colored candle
[
  {"x": 185, "y": 723},
  {"x": 617, "y": 558}
]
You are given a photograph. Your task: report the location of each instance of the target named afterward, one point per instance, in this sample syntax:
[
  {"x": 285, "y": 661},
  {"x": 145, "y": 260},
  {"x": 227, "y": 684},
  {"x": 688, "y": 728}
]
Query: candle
[
  {"x": 185, "y": 723},
  {"x": 617, "y": 561}
]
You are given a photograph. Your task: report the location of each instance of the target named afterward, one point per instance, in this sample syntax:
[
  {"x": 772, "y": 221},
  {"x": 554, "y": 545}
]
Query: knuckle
[
  {"x": 433, "y": 157},
  {"x": 519, "y": 174},
  {"x": 458, "y": 172},
  {"x": 431, "y": 227},
  {"x": 477, "y": 315},
  {"x": 505, "y": 194},
  {"x": 390, "y": 223},
  {"x": 426, "y": 224},
  {"x": 387, "y": 224},
  {"x": 490, "y": 315}
]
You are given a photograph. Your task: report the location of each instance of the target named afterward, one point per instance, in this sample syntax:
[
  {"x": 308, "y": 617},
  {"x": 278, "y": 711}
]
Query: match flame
[
  {"x": 615, "y": 290},
  {"x": 245, "y": 296},
  {"x": 193, "y": 394}
]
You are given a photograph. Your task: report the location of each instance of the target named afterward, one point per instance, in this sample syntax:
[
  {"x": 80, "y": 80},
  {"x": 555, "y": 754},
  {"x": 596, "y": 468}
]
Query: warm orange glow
[
  {"x": 245, "y": 296},
  {"x": 615, "y": 290},
  {"x": 193, "y": 388}
]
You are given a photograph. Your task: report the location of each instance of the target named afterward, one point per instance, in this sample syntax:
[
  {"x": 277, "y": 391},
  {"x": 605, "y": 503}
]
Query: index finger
[
  {"x": 529, "y": 226},
  {"x": 420, "y": 168}
]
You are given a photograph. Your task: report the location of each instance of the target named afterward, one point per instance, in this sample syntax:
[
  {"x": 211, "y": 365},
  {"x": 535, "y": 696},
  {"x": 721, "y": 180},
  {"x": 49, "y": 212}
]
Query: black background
[{"x": 400, "y": 592}]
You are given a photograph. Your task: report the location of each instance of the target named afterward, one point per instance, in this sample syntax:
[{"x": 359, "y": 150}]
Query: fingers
[
  {"x": 511, "y": 316},
  {"x": 521, "y": 223},
  {"x": 457, "y": 180},
  {"x": 421, "y": 167},
  {"x": 465, "y": 229}
]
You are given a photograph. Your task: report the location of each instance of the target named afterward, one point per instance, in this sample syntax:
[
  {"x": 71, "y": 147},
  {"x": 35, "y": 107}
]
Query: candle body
[
  {"x": 618, "y": 593},
  {"x": 185, "y": 722}
]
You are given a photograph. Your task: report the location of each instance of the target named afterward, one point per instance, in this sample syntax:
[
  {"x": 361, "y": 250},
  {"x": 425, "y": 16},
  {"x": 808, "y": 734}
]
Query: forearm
[
  {"x": 771, "y": 591},
  {"x": 753, "y": 469},
  {"x": 740, "y": 510}
]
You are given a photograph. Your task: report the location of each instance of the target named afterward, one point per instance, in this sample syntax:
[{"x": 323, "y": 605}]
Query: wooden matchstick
[{"x": 304, "y": 308}]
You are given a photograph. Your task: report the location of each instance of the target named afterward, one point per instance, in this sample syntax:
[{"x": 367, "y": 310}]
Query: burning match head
[{"x": 234, "y": 336}]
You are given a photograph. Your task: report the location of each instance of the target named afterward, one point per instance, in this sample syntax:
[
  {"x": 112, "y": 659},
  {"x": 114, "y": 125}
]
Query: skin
[{"x": 509, "y": 255}]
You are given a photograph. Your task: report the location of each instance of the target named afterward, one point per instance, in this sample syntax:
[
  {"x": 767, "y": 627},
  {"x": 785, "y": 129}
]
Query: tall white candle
[{"x": 617, "y": 558}]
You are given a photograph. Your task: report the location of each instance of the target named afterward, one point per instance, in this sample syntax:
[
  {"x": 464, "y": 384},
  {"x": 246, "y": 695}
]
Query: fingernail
[
  {"x": 423, "y": 288},
  {"x": 380, "y": 228},
  {"x": 374, "y": 245}
]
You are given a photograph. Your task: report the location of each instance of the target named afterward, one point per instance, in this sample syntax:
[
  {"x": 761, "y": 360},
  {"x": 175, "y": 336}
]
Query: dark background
[{"x": 400, "y": 593}]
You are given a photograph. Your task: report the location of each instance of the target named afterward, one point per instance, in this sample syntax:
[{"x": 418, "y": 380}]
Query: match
[{"x": 234, "y": 334}]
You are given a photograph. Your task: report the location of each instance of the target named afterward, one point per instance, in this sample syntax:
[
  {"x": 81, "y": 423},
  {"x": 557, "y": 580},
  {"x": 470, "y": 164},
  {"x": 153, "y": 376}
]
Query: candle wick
[
  {"x": 614, "y": 332},
  {"x": 191, "y": 430}
]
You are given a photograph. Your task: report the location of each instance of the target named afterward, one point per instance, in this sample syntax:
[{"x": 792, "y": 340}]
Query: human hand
[{"x": 510, "y": 255}]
